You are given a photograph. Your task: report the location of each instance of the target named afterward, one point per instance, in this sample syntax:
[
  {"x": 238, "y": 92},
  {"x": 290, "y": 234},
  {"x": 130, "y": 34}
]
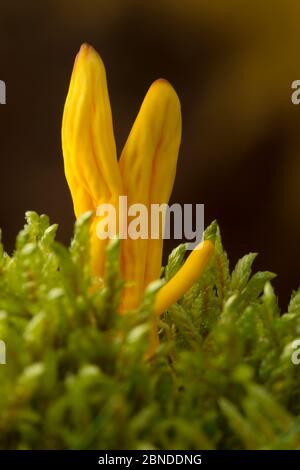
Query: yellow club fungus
[{"x": 145, "y": 173}]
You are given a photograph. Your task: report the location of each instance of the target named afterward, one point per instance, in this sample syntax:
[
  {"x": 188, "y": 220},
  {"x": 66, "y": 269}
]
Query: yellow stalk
[
  {"x": 185, "y": 277},
  {"x": 89, "y": 149},
  {"x": 148, "y": 167},
  {"x": 182, "y": 281}
]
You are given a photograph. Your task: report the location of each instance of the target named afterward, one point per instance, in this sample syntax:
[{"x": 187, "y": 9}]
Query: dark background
[{"x": 232, "y": 64}]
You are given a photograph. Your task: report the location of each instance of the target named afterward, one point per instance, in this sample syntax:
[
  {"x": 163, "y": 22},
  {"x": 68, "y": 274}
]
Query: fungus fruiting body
[{"x": 145, "y": 174}]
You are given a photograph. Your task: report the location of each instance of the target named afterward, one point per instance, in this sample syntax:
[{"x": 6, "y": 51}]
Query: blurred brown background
[{"x": 232, "y": 64}]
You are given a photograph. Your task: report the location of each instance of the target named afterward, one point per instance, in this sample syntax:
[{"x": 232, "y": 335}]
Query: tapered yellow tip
[{"x": 87, "y": 51}]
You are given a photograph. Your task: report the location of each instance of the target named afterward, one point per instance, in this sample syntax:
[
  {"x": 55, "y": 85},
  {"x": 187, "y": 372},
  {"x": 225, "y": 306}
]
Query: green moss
[{"x": 75, "y": 376}]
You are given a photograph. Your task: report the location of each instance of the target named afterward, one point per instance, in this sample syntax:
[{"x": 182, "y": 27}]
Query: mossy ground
[{"x": 76, "y": 375}]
